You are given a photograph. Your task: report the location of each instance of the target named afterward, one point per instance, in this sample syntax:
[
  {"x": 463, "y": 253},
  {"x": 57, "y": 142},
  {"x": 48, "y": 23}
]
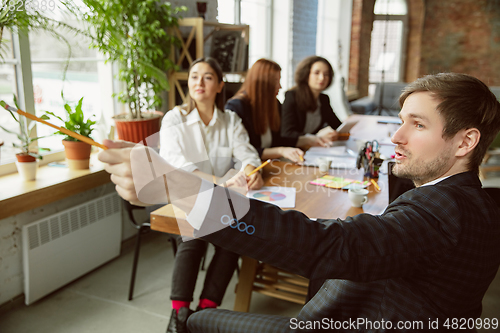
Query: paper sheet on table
[
  {"x": 338, "y": 162},
  {"x": 283, "y": 197},
  {"x": 330, "y": 151}
]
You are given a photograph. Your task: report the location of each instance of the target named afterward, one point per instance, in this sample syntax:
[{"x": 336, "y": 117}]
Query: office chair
[
  {"x": 397, "y": 186},
  {"x": 494, "y": 193}
]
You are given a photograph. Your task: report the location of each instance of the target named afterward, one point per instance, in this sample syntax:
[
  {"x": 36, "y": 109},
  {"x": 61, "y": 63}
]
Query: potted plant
[
  {"x": 26, "y": 159},
  {"x": 133, "y": 33},
  {"x": 77, "y": 152}
]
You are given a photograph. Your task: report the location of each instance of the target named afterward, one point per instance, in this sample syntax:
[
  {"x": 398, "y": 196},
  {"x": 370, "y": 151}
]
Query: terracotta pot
[
  {"x": 77, "y": 154},
  {"x": 26, "y": 166},
  {"x": 136, "y": 130},
  {"x": 23, "y": 157}
]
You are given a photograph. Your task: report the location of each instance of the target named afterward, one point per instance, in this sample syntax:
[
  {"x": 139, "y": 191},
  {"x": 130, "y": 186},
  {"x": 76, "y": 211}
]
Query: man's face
[{"x": 422, "y": 154}]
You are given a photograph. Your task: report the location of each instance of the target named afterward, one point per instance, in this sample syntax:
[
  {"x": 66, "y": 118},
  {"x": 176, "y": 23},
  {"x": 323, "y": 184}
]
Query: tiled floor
[{"x": 98, "y": 302}]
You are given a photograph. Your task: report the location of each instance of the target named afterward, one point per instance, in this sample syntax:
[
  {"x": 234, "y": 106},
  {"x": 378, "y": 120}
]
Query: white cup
[
  {"x": 324, "y": 164},
  {"x": 358, "y": 196}
]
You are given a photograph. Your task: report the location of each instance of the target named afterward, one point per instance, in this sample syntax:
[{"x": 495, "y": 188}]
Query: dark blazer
[
  {"x": 431, "y": 255},
  {"x": 293, "y": 119},
  {"x": 244, "y": 110}
]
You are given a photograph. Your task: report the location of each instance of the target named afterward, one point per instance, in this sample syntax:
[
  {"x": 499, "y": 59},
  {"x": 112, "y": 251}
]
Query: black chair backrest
[
  {"x": 397, "y": 186},
  {"x": 130, "y": 208},
  {"x": 494, "y": 193}
]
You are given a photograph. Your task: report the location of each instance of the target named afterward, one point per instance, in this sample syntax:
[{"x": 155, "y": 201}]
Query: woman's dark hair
[
  {"x": 303, "y": 94},
  {"x": 219, "y": 98},
  {"x": 259, "y": 90}
]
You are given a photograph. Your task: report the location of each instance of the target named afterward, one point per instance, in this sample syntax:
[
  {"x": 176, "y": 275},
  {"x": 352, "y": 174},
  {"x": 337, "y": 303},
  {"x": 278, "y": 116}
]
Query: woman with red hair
[{"x": 257, "y": 106}]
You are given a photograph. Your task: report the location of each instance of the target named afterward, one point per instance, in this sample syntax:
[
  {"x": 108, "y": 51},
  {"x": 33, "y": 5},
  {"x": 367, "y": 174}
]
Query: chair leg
[
  {"x": 134, "y": 265},
  {"x": 204, "y": 258},
  {"x": 174, "y": 245}
]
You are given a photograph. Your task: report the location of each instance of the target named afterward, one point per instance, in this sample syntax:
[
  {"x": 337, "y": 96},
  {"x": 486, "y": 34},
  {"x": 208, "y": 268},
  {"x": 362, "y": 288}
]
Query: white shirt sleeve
[{"x": 201, "y": 205}]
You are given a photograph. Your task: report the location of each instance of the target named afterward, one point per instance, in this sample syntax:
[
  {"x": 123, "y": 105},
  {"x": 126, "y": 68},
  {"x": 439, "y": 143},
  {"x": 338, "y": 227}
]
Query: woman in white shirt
[{"x": 200, "y": 137}]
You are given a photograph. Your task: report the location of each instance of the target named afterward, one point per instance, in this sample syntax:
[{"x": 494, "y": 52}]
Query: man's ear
[{"x": 468, "y": 140}]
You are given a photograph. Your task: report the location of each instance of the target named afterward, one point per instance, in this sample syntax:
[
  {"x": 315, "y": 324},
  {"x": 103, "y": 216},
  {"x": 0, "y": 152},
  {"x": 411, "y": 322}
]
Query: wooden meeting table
[{"x": 314, "y": 201}]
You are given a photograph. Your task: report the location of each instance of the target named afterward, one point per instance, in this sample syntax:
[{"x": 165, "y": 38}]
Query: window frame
[
  {"x": 22, "y": 63},
  {"x": 404, "y": 38}
]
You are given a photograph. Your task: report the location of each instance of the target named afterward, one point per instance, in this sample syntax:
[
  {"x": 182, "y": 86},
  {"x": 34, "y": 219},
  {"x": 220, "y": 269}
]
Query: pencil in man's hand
[
  {"x": 259, "y": 167},
  {"x": 61, "y": 129}
]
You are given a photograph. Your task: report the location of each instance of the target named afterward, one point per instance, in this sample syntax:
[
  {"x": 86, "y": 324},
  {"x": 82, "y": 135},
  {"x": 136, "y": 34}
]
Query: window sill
[{"x": 51, "y": 184}]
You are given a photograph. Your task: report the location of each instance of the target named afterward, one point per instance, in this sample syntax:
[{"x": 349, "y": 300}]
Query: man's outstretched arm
[{"x": 144, "y": 178}]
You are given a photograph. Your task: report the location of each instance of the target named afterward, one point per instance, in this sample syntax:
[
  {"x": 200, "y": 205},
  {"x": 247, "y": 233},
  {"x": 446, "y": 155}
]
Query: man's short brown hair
[{"x": 464, "y": 102}]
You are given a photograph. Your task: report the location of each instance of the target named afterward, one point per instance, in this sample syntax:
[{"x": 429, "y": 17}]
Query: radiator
[{"x": 60, "y": 248}]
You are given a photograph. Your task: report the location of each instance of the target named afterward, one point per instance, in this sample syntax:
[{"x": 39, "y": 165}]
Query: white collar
[
  {"x": 435, "y": 181},
  {"x": 194, "y": 117}
]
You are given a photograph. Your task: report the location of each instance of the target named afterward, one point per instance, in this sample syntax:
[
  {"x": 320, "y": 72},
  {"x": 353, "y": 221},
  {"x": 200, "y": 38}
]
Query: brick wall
[
  {"x": 444, "y": 36},
  {"x": 304, "y": 27},
  {"x": 462, "y": 36},
  {"x": 357, "y": 5},
  {"x": 416, "y": 13},
  {"x": 359, "y": 59}
]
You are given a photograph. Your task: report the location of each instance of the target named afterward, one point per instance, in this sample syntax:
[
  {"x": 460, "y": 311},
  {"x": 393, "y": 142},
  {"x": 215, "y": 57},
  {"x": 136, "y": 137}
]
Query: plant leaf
[{"x": 8, "y": 131}]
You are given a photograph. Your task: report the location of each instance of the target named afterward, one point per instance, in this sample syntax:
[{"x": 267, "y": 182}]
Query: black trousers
[
  {"x": 224, "y": 321},
  {"x": 187, "y": 265}
]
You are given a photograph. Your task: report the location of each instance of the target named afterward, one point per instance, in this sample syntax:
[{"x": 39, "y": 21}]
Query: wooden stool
[{"x": 268, "y": 280}]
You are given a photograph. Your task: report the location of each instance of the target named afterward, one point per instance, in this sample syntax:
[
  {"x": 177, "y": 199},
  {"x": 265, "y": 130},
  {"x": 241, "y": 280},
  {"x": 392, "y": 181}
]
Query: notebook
[
  {"x": 346, "y": 126},
  {"x": 339, "y": 182}
]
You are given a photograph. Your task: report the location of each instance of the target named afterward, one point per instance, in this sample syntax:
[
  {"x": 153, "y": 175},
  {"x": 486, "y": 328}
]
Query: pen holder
[
  {"x": 369, "y": 159},
  {"x": 373, "y": 167}
]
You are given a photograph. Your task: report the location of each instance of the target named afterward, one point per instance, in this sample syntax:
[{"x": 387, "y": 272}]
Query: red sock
[
  {"x": 206, "y": 303},
  {"x": 179, "y": 304}
]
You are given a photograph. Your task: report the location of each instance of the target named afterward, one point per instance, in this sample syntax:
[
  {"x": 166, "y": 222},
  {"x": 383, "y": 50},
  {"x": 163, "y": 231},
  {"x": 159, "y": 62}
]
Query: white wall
[
  {"x": 334, "y": 27},
  {"x": 11, "y": 263},
  {"x": 282, "y": 42},
  {"x": 325, "y": 22}
]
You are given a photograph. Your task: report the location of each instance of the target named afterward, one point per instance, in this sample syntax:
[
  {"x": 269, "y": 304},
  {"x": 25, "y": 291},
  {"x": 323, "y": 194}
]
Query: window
[
  {"x": 255, "y": 13},
  {"x": 387, "y": 41},
  {"x": 7, "y": 90},
  {"x": 226, "y": 12},
  {"x": 83, "y": 78},
  {"x": 86, "y": 76}
]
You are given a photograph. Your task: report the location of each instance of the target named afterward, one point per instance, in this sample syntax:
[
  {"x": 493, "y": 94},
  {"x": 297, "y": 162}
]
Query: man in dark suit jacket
[{"x": 423, "y": 265}]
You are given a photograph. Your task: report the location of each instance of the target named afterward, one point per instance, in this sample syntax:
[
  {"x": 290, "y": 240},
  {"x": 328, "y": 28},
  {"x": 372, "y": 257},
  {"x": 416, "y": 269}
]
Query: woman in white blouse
[{"x": 201, "y": 137}]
